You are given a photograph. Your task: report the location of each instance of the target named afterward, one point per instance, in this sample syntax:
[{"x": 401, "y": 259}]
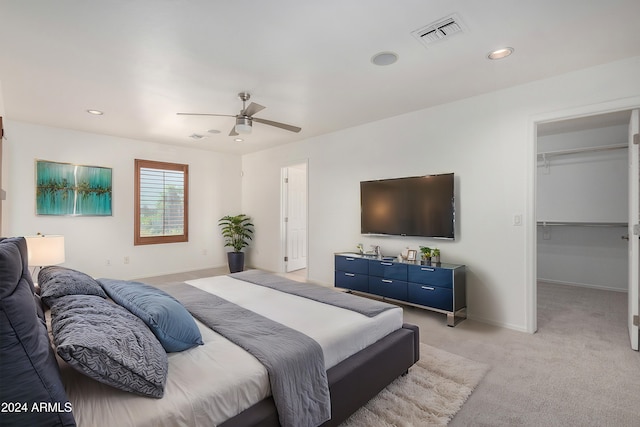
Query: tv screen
[{"x": 413, "y": 206}]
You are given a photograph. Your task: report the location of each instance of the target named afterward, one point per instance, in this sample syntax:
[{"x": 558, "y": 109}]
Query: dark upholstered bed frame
[{"x": 352, "y": 382}]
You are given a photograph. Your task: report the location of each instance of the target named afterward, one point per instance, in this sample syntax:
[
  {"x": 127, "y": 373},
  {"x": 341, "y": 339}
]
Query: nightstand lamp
[{"x": 44, "y": 250}]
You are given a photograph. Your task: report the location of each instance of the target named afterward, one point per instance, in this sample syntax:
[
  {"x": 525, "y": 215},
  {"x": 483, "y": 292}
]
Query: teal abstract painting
[{"x": 66, "y": 189}]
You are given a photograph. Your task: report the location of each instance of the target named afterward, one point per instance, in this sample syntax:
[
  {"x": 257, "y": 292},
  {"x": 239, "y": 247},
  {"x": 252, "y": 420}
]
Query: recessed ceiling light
[
  {"x": 238, "y": 139},
  {"x": 95, "y": 112},
  {"x": 500, "y": 53},
  {"x": 196, "y": 136},
  {"x": 384, "y": 58},
  {"x": 214, "y": 131}
]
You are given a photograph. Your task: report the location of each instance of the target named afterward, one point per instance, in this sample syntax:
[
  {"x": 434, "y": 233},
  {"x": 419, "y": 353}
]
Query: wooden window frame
[{"x": 153, "y": 240}]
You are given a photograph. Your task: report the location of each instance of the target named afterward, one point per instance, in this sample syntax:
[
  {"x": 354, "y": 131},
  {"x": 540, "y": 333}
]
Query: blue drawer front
[
  {"x": 433, "y": 276},
  {"x": 355, "y": 281},
  {"x": 389, "y": 288},
  {"x": 431, "y": 296},
  {"x": 351, "y": 264},
  {"x": 388, "y": 270}
]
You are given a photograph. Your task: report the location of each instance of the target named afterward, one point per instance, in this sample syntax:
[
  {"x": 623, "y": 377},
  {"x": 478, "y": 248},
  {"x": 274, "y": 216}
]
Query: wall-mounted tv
[{"x": 412, "y": 206}]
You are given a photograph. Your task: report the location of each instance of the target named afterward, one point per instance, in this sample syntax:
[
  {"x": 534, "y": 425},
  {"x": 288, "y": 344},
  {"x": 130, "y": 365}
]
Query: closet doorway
[
  {"x": 586, "y": 193},
  {"x": 294, "y": 218}
]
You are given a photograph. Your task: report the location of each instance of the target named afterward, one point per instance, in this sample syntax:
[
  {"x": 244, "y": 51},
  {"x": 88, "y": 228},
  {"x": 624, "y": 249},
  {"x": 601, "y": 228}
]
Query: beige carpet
[{"x": 430, "y": 395}]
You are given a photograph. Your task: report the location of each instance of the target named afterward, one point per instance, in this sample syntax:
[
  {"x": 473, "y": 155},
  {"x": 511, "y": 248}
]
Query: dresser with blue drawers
[{"x": 438, "y": 287}]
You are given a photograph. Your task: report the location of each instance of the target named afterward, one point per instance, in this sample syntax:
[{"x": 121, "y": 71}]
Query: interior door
[
  {"x": 634, "y": 227},
  {"x": 296, "y": 217}
]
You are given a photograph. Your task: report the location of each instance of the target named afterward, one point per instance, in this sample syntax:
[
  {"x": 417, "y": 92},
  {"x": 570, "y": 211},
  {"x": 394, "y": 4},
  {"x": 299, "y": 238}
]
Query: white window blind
[{"x": 162, "y": 201}]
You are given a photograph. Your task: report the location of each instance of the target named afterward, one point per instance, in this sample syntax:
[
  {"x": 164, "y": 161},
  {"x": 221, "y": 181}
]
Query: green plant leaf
[{"x": 237, "y": 231}]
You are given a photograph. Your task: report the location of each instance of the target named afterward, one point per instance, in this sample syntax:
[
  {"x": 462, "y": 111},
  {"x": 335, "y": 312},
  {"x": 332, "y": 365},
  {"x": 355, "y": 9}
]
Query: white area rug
[{"x": 430, "y": 395}]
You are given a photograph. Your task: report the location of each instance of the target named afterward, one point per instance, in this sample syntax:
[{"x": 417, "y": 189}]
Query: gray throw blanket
[
  {"x": 368, "y": 307},
  {"x": 294, "y": 361}
]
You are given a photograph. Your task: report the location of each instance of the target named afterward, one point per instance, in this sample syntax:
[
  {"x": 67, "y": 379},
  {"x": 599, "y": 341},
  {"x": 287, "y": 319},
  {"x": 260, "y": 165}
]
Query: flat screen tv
[{"x": 413, "y": 206}]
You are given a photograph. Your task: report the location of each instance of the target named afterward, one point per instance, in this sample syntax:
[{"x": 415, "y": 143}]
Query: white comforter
[{"x": 211, "y": 383}]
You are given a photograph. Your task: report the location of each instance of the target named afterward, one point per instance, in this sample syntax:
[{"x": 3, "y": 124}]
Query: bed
[{"x": 218, "y": 382}]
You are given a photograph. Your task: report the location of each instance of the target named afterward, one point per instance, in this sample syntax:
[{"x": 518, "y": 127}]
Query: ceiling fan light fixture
[{"x": 243, "y": 124}]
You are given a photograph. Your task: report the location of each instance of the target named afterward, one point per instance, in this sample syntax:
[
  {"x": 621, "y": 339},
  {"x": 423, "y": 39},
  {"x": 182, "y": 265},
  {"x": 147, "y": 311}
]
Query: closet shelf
[
  {"x": 547, "y": 154},
  {"x": 581, "y": 224}
]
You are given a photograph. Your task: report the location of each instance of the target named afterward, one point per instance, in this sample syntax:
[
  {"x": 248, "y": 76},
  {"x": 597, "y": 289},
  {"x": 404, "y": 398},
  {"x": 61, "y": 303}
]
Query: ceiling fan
[{"x": 245, "y": 119}]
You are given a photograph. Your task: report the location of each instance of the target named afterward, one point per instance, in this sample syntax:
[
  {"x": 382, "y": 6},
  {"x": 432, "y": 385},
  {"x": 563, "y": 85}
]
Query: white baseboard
[
  {"x": 499, "y": 324},
  {"x": 581, "y": 285}
]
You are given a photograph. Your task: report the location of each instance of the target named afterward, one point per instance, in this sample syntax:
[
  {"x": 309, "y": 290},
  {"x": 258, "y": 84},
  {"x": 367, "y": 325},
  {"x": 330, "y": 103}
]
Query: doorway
[
  {"x": 294, "y": 218},
  {"x": 584, "y": 192}
]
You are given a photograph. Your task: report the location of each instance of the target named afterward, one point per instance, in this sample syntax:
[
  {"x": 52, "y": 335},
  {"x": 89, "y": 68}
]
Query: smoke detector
[{"x": 440, "y": 30}]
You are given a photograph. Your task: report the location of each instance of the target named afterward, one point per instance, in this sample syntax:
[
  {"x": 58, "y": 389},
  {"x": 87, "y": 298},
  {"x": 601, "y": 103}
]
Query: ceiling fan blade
[
  {"x": 205, "y": 114},
  {"x": 252, "y": 109},
  {"x": 233, "y": 131},
  {"x": 278, "y": 125}
]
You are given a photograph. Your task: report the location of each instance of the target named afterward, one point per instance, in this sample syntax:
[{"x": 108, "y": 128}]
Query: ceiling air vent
[{"x": 439, "y": 30}]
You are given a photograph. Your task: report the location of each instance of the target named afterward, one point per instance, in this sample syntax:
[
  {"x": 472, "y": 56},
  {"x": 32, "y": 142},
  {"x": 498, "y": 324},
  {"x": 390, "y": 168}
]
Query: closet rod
[
  {"x": 581, "y": 150},
  {"x": 582, "y": 224}
]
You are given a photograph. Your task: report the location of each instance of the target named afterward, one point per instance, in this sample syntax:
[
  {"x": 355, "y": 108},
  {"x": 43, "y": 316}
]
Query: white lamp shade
[
  {"x": 45, "y": 250},
  {"x": 243, "y": 124}
]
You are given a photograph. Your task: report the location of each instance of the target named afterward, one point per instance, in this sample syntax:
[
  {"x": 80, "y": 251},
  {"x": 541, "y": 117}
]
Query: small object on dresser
[
  {"x": 426, "y": 254},
  {"x": 435, "y": 255}
]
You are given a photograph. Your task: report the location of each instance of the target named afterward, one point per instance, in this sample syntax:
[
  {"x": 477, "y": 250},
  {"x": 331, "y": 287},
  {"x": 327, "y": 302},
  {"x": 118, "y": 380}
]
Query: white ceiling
[{"x": 309, "y": 63}]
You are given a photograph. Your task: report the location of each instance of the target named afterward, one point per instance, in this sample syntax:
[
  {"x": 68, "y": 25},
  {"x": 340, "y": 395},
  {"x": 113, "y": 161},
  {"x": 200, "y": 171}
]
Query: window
[{"x": 161, "y": 204}]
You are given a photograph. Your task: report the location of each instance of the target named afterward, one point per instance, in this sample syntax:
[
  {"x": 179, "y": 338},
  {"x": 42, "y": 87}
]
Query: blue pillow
[
  {"x": 29, "y": 373},
  {"x": 164, "y": 315}
]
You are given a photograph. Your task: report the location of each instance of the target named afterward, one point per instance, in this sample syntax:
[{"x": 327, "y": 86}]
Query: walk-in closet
[{"x": 582, "y": 219}]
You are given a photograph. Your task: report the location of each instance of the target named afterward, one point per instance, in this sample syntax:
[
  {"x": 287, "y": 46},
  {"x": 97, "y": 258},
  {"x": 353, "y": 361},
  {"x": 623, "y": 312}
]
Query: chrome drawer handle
[
  {"x": 427, "y": 269},
  {"x": 428, "y": 288},
  {"x": 386, "y": 263},
  {"x": 350, "y": 259},
  {"x": 387, "y": 281},
  {"x": 349, "y": 274}
]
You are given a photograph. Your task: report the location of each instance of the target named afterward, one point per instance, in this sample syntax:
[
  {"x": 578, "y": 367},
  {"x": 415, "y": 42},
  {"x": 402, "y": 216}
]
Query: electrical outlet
[
  {"x": 204, "y": 252},
  {"x": 517, "y": 219},
  {"x": 126, "y": 260},
  {"x": 108, "y": 262}
]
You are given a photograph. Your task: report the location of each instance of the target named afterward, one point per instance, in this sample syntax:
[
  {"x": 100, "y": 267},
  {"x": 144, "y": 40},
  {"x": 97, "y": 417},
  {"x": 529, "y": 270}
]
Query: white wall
[
  {"x": 588, "y": 186},
  {"x": 487, "y": 141},
  {"x": 584, "y": 187},
  {"x": 1, "y": 100},
  {"x": 215, "y": 187},
  {"x": 594, "y": 257}
]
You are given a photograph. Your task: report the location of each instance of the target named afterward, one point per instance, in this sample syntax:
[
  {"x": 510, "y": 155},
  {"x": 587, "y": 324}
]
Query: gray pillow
[
  {"x": 58, "y": 281},
  {"x": 109, "y": 344}
]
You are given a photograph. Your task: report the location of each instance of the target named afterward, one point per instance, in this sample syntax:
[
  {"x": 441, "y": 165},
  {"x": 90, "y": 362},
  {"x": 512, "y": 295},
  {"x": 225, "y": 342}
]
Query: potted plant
[
  {"x": 237, "y": 232},
  {"x": 426, "y": 253},
  {"x": 435, "y": 255}
]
